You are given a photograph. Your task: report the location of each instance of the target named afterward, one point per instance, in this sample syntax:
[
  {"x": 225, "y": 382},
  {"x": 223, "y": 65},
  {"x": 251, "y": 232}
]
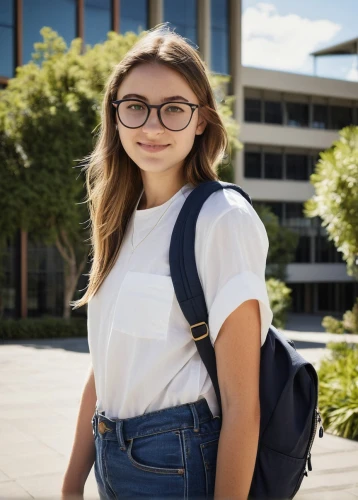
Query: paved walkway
[{"x": 40, "y": 386}]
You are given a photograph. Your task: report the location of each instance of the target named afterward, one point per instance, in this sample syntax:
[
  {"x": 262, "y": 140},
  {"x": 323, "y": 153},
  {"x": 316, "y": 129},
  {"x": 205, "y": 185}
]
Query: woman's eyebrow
[{"x": 143, "y": 98}]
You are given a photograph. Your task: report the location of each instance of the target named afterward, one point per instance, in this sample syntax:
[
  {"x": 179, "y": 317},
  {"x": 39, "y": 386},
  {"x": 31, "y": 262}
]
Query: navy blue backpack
[{"x": 288, "y": 383}]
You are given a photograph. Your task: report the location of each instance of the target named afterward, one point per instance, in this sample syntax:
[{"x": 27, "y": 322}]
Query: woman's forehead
[{"x": 155, "y": 82}]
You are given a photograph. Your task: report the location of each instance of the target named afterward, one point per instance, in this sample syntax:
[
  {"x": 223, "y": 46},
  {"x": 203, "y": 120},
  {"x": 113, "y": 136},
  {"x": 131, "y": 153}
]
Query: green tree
[
  {"x": 49, "y": 119},
  {"x": 336, "y": 200},
  {"x": 48, "y": 114},
  {"x": 280, "y": 301},
  {"x": 220, "y": 83},
  {"x": 14, "y": 194},
  {"x": 283, "y": 243}
]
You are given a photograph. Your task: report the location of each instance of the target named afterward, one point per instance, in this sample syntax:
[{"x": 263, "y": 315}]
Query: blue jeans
[{"x": 169, "y": 453}]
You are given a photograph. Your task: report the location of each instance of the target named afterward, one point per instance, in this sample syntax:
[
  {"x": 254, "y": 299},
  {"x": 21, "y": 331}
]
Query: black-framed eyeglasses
[{"x": 174, "y": 115}]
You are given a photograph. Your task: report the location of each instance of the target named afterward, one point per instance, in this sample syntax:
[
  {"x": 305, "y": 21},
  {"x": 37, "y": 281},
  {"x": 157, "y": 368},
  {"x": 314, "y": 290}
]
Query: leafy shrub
[
  {"x": 350, "y": 319},
  {"x": 42, "y": 328},
  {"x": 332, "y": 325},
  {"x": 280, "y": 301},
  {"x": 338, "y": 390},
  {"x": 349, "y": 323}
]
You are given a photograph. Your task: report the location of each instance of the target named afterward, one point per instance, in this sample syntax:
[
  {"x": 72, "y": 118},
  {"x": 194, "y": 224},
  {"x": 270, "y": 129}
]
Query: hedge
[{"x": 42, "y": 328}]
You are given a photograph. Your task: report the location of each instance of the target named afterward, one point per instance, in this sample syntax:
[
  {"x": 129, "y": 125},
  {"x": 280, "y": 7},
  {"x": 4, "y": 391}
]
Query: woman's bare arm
[
  {"x": 237, "y": 350},
  {"x": 83, "y": 449}
]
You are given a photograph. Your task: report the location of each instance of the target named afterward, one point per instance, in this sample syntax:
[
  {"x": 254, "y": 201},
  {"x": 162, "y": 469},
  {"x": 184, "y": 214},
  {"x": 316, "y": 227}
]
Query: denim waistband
[{"x": 176, "y": 417}]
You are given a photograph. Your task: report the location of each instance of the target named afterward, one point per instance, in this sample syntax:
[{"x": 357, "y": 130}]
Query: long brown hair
[{"x": 113, "y": 180}]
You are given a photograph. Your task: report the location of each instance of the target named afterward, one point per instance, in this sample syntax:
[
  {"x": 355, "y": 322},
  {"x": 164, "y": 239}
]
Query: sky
[{"x": 280, "y": 35}]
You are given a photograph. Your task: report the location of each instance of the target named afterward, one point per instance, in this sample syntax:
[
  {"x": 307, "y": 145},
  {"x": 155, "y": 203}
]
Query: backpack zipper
[
  {"x": 317, "y": 417},
  {"x": 321, "y": 430}
]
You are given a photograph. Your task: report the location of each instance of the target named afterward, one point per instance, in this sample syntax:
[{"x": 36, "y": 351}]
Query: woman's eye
[
  {"x": 174, "y": 109},
  {"x": 135, "y": 107}
]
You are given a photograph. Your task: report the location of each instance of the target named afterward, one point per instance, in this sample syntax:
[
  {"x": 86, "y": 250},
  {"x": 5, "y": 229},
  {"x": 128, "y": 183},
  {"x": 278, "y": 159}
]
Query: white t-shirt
[{"x": 143, "y": 355}]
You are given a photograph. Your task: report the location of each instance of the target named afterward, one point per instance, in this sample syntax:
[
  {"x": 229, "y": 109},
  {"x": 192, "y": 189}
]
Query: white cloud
[
  {"x": 282, "y": 42},
  {"x": 352, "y": 74}
]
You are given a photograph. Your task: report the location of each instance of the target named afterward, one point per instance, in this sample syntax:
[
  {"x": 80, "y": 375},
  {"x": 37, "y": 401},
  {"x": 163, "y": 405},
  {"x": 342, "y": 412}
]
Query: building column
[
  {"x": 115, "y": 16},
  {"x": 21, "y": 241},
  {"x": 307, "y": 291},
  {"x": 313, "y": 240},
  {"x": 236, "y": 79},
  {"x": 80, "y": 23},
  {"x": 310, "y": 111},
  {"x": 336, "y": 298},
  {"x": 315, "y": 298},
  {"x": 23, "y": 272},
  {"x": 156, "y": 13},
  {"x": 18, "y": 32},
  {"x": 204, "y": 30}
]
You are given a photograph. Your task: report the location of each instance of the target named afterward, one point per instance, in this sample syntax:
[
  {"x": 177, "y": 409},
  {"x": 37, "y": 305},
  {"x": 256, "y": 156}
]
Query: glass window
[
  {"x": 347, "y": 295},
  {"x": 252, "y": 165},
  {"x": 320, "y": 116},
  {"x": 59, "y": 15},
  {"x": 326, "y": 250},
  {"x": 7, "y": 58},
  {"x": 298, "y": 297},
  {"x": 297, "y": 114},
  {"x": 220, "y": 36},
  {"x": 10, "y": 270},
  {"x": 295, "y": 216},
  {"x": 97, "y": 21},
  {"x": 252, "y": 110},
  {"x": 273, "y": 166},
  {"x": 182, "y": 16},
  {"x": 326, "y": 297},
  {"x": 277, "y": 208},
  {"x": 303, "y": 249},
  {"x": 341, "y": 116},
  {"x": 314, "y": 160},
  {"x": 273, "y": 112},
  {"x": 133, "y": 16},
  {"x": 45, "y": 280},
  {"x": 297, "y": 167}
]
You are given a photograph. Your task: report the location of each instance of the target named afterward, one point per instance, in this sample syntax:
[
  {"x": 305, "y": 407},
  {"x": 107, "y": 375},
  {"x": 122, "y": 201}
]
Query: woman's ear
[{"x": 200, "y": 126}]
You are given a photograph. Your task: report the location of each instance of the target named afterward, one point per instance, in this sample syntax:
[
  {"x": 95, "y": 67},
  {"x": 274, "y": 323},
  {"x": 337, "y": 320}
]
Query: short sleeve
[{"x": 231, "y": 262}]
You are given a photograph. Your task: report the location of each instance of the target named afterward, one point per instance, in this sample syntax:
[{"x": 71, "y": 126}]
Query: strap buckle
[{"x": 202, "y": 336}]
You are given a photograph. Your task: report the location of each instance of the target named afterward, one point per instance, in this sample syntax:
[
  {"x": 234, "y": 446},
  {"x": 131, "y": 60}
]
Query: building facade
[{"x": 286, "y": 120}]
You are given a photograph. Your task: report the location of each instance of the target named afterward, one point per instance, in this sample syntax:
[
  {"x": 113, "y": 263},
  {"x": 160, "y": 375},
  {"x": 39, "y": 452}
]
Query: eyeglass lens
[{"x": 175, "y": 116}]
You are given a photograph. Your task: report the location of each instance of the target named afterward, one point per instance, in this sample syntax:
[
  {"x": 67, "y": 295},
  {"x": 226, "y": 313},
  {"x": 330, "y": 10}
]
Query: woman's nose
[{"x": 153, "y": 122}]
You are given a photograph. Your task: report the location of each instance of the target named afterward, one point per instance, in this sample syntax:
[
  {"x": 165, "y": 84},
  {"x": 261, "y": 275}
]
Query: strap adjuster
[{"x": 202, "y": 336}]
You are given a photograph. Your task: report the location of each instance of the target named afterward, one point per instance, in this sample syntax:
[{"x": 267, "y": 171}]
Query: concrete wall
[
  {"x": 279, "y": 135},
  {"x": 277, "y": 190},
  {"x": 315, "y": 273},
  {"x": 298, "y": 83}
]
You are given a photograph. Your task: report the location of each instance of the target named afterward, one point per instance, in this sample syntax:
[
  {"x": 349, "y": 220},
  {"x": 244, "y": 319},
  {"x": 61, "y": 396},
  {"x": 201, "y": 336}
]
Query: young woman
[{"x": 158, "y": 432}]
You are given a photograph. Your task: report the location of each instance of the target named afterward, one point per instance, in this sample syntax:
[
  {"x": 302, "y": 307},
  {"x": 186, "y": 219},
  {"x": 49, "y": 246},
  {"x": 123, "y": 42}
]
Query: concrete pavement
[{"x": 40, "y": 388}]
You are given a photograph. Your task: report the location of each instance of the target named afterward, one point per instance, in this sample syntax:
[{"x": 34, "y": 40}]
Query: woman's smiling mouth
[{"x": 152, "y": 148}]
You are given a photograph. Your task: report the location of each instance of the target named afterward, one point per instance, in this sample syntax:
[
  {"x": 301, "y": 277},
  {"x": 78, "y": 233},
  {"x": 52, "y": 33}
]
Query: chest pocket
[{"x": 143, "y": 305}]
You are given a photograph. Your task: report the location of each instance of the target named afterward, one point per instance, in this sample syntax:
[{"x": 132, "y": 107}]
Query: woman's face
[{"x": 155, "y": 84}]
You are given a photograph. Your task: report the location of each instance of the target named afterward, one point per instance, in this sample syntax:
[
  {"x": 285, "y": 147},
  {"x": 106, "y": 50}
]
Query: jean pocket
[
  {"x": 143, "y": 305},
  {"x": 209, "y": 451},
  {"x": 159, "y": 453}
]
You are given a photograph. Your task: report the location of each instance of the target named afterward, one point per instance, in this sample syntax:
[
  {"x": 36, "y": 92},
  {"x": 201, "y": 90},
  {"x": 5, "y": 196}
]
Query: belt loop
[
  {"x": 120, "y": 437},
  {"x": 195, "y": 417}
]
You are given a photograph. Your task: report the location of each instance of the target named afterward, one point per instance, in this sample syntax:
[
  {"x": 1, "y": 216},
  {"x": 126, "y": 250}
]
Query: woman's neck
[{"x": 159, "y": 198}]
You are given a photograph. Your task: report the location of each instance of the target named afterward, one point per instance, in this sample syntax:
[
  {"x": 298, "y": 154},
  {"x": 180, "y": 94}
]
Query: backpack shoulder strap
[{"x": 185, "y": 276}]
